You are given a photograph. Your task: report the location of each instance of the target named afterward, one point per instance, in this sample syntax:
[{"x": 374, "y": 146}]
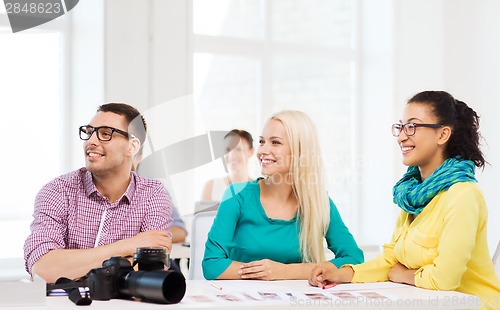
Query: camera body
[
  {"x": 117, "y": 278},
  {"x": 105, "y": 283}
]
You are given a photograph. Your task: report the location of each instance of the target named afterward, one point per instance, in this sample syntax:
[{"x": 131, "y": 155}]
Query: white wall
[
  {"x": 453, "y": 45},
  {"x": 406, "y": 47},
  {"x": 472, "y": 74},
  {"x": 147, "y": 51},
  {"x": 376, "y": 147},
  {"x": 127, "y": 52},
  {"x": 86, "y": 76},
  {"x": 148, "y": 65}
]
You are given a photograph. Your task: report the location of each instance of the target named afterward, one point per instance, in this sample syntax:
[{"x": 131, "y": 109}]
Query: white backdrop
[{"x": 137, "y": 51}]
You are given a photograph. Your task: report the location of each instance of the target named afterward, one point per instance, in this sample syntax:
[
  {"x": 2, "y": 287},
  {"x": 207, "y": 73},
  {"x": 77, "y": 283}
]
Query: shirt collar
[
  {"x": 90, "y": 187},
  {"x": 89, "y": 184}
]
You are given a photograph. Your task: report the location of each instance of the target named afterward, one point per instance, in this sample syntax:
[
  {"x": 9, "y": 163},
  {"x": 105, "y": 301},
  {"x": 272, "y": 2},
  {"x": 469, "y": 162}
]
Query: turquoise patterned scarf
[{"x": 412, "y": 195}]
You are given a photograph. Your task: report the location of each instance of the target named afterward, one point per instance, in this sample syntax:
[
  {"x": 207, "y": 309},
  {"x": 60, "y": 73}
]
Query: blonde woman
[{"x": 273, "y": 228}]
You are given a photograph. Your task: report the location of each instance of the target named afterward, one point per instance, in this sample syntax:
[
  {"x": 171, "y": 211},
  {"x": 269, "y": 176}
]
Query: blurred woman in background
[{"x": 239, "y": 149}]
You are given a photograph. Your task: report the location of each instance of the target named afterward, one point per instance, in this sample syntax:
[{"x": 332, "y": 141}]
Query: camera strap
[{"x": 73, "y": 289}]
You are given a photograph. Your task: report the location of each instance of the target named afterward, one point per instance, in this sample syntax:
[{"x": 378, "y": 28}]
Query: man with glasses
[{"x": 86, "y": 216}]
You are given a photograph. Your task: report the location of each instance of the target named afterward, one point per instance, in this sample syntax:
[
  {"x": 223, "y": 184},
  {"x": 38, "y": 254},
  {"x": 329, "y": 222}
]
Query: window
[
  {"x": 31, "y": 97},
  {"x": 255, "y": 57}
]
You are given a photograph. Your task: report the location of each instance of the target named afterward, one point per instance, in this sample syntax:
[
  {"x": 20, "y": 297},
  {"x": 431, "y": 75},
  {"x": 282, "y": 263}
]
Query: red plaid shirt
[{"x": 70, "y": 213}]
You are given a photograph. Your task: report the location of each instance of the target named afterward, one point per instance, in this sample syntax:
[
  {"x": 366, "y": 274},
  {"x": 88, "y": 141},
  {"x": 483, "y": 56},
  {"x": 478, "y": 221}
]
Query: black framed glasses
[
  {"x": 410, "y": 128},
  {"x": 104, "y": 133}
]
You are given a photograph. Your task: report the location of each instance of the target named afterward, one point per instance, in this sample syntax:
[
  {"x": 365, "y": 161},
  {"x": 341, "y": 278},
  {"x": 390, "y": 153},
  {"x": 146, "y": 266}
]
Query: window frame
[
  {"x": 263, "y": 50},
  {"x": 62, "y": 26}
]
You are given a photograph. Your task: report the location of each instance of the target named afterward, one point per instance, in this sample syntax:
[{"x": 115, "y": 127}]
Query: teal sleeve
[
  {"x": 220, "y": 237},
  {"x": 341, "y": 242}
]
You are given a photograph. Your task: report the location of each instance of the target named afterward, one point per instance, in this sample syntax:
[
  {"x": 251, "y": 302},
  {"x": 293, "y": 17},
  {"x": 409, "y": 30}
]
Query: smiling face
[
  {"x": 425, "y": 148},
  {"x": 112, "y": 157},
  {"x": 274, "y": 153},
  {"x": 238, "y": 151}
]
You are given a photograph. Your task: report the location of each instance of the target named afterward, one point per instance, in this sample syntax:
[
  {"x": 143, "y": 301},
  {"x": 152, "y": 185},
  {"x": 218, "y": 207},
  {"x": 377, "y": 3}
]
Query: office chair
[
  {"x": 202, "y": 222},
  {"x": 496, "y": 260}
]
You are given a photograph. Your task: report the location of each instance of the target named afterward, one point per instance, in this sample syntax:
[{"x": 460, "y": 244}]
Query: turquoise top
[{"x": 242, "y": 232}]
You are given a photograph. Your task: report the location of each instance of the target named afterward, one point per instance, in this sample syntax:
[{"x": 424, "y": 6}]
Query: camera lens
[
  {"x": 117, "y": 279},
  {"x": 166, "y": 287},
  {"x": 151, "y": 258}
]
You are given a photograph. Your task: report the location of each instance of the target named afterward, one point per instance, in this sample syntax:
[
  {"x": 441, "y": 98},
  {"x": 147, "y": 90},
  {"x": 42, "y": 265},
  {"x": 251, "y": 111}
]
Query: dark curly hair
[{"x": 465, "y": 137}]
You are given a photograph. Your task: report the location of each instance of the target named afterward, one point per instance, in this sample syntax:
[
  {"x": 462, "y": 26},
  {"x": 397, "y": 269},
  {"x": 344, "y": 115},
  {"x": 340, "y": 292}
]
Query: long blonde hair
[{"x": 308, "y": 183}]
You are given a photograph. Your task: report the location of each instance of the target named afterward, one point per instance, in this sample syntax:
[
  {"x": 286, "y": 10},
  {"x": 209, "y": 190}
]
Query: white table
[{"x": 399, "y": 297}]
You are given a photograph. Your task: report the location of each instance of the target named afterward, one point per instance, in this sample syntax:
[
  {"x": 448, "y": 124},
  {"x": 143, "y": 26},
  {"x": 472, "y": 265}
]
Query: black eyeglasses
[
  {"x": 104, "y": 133},
  {"x": 410, "y": 128}
]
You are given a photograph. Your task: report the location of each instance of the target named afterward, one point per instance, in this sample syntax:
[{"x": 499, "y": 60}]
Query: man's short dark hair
[{"x": 135, "y": 121}]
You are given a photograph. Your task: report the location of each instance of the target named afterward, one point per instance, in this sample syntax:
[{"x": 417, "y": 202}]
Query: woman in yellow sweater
[{"x": 440, "y": 238}]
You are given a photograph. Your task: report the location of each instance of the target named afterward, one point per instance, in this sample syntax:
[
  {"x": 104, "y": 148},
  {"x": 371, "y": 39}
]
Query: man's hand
[
  {"x": 150, "y": 238},
  {"x": 75, "y": 263}
]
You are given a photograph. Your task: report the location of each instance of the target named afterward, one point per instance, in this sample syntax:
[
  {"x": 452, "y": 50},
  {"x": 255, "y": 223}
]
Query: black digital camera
[{"x": 152, "y": 283}]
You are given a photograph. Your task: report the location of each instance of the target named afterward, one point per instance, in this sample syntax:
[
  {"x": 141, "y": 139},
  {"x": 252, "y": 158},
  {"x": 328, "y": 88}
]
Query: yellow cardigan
[{"x": 447, "y": 244}]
